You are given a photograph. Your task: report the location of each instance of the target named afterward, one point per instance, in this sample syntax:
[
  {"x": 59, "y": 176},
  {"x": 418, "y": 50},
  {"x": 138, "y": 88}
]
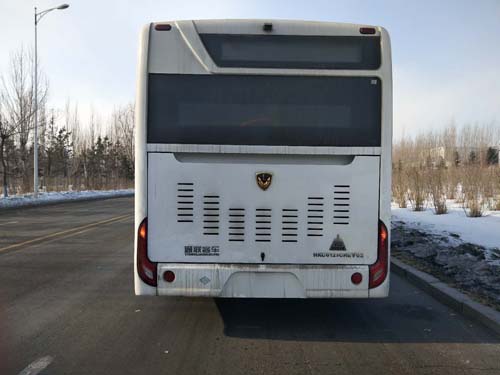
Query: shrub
[
  {"x": 473, "y": 190},
  {"x": 437, "y": 187},
  {"x": 399, "y": 185},
  {"x": 417, "y": 191}
]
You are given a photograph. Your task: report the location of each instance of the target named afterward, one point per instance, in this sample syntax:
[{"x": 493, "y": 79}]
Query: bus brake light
[
  {"x": 145, "y": 268},
  {"x": 378, "y": 270}
]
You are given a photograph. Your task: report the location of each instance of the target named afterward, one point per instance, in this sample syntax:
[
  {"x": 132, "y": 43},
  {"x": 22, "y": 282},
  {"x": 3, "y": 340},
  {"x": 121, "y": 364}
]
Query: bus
[{"x": 263, "y": 159}]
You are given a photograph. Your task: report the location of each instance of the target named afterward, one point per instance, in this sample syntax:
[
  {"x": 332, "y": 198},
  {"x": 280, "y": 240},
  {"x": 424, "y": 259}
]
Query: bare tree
[
  {"x": 17, "y": 97},
  {"x": 7, "y": 131},
  {"x": 123, "y": 131}
]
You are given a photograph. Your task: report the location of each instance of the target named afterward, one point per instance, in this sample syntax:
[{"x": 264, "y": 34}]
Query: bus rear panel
[{"x": 263, "y": 160}]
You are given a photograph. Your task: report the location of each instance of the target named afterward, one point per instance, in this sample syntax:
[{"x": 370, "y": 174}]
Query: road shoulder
[{"x": 453, "y": 298}]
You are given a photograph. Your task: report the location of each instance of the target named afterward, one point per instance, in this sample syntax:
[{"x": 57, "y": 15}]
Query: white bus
[{"x": 263, "y": 159}]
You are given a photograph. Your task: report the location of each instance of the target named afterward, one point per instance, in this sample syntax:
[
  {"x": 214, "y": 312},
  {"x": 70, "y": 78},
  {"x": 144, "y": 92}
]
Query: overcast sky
[{"x": 446, "y": 54}]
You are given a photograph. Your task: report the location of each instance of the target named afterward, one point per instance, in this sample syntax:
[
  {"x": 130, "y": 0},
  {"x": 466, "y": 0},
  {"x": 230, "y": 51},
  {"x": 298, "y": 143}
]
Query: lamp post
[{"x": 38, "y": 17}]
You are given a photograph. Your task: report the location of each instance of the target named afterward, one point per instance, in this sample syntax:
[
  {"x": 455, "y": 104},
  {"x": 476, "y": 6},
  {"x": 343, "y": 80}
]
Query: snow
[
  {"x": 62, "y": 196},
  {"x": 454, "y": 246},
  {"x": 483, "y": 231}
]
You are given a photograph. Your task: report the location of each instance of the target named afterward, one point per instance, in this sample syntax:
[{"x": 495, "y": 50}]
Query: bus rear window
[
  {"x": 264, "y": 110},
  {"x": 293, "y": 51}
]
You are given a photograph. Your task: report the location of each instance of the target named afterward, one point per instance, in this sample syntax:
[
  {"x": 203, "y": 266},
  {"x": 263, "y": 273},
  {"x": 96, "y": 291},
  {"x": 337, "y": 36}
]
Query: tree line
[
  {"x": 73, "y": 154},
  {"x": 460, "y": 164}
]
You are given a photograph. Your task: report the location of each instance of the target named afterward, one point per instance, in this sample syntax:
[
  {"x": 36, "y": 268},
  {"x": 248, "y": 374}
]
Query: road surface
[{"x": 67, "y": 307}]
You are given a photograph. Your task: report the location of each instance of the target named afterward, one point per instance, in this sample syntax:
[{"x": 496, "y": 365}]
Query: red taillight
[
  {"x": 367, "y": 30},
  {"x": 378, "y": 270},
  {"x": 356, "y": 278},
  {"x": 145, "y": 268},
  {"x": 169, "y": 276},
  {"x": 163, "y": 27}
]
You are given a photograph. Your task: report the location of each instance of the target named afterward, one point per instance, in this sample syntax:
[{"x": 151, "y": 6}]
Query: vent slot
[
  {"x": 185, "y": 202},
  {"x": 289, "y": 224},
  {"x": 263, "y": 228},
  {"x": 236, "y": 224},
  {"x": 211, "y": 215},
  {"x": 341, "y": 204},
  {"x": 315, "y": 216}
]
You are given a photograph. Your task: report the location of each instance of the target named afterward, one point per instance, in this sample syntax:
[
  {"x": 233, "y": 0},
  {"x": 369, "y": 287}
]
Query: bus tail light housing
[
  {"x": 378, "y": 270},
  {"x": 147, "y": 270}
]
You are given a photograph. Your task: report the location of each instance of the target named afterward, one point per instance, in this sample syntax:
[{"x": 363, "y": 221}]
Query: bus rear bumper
[{"x": 263, "y": 281}]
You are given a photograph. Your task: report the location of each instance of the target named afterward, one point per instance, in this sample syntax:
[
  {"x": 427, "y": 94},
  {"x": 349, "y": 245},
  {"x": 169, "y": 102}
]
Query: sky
[{"x": 446, "y": 54}]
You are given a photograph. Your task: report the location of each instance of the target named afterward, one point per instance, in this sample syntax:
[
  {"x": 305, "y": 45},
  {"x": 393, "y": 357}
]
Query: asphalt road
[{"x": 67, "y": 305}]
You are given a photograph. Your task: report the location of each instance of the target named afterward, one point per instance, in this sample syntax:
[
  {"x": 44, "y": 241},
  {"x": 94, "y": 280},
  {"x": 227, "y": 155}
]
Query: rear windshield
[
  {"x": 264, "y": 110},
  {"x": 293, "y": 51}
]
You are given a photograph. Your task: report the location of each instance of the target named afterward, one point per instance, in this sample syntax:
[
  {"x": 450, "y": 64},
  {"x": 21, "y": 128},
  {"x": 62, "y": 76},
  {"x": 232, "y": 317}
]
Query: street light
[{"x": 38, "y": 17}]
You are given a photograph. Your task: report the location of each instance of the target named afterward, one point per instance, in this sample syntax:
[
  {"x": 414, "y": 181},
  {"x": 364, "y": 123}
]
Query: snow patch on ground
[
  {"x": 60, "y": 196},
  {"x": 462, "y": 251},
  {"x": 461, "y": 264},
  {"x": 483, "y": 231}
]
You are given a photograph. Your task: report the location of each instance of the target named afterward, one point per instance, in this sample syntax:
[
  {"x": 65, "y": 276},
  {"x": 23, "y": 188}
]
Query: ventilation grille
[
  {"x": 341, "y": 204},
  {"x": 211, "y": 215},
  {"x": 185, "y": 200},
  {"x": 263, "y": 224},
  {"x": 289, "y": 224},
  {"x": 315, "y": 216},
  {"x": 237, "y": 217},
  {"x": 237, "y": 224}
]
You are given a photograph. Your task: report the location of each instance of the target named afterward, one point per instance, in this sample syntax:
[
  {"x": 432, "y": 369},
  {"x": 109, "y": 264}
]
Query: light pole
[{"x": 38, "y": 17}]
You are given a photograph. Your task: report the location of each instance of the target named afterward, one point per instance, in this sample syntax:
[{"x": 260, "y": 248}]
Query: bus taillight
[
  {"x": 145, "y": 268},
  {"x": 378, "y": 270},
  {"x": 163, "y": 27},
  {"x": 367, "y": 30}
]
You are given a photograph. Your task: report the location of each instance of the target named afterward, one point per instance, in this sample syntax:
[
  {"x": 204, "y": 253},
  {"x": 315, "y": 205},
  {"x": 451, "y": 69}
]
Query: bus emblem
[
  {"x": 337, "y": 244},
  {"x": 264, "y": 179}
]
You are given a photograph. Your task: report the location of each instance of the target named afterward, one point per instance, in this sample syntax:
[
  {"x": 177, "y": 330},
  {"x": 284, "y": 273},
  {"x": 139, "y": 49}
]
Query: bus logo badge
[
  {"x": 337, "y": 244},
  {"x": 264, "y": 179}
]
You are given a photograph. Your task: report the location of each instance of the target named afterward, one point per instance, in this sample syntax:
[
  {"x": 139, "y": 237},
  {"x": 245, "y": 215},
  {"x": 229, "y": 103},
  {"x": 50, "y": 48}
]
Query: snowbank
[
  {"x": 484, "y": 231},
  {"x": 62, "y": 196}
]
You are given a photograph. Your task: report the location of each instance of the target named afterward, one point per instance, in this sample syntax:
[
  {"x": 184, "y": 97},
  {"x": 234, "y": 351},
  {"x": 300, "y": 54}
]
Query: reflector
[
  {"x": 356, "y": 278},
  {"x": 168, "y": 276}
]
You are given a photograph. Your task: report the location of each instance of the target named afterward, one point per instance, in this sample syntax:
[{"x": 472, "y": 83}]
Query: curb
[
  {"x": 451, "y": 297},
  {"x": 64, "y": 200}
]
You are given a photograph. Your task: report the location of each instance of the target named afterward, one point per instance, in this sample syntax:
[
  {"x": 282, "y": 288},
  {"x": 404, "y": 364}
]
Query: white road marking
[
  {"x": 37, "y": 366},
  {"x": 9, "y": 222}
]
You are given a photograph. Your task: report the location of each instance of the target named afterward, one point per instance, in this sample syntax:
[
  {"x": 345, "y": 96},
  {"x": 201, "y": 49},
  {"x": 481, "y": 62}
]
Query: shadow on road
[{"x": 345, "y": 321}]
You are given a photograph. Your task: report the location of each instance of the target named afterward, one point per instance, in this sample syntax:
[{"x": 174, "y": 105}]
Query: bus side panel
[
  {"x": 386, "y": 154},
  {"x": 141, "y": 169}
]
